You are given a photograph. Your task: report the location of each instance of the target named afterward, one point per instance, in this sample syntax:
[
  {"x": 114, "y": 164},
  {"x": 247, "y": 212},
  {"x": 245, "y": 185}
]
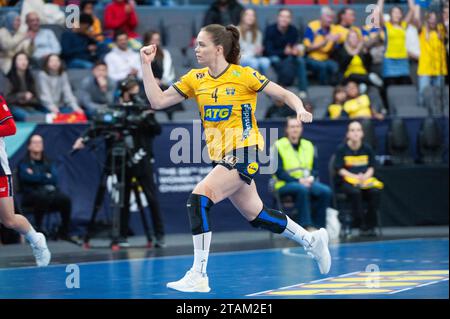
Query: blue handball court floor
[{"x": 407, "y": 268}]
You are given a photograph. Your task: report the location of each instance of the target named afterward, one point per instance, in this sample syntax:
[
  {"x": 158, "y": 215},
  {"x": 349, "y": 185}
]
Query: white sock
[
  {"x": 296, "y": 232},
  {"x": 201, "y": 251},
  {"x": 31, "y": 236}
]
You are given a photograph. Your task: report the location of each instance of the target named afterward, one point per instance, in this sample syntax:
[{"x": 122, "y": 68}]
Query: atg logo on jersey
[
  {"x": 230, "y": 91},
  {"x": 216, "y": 113}
]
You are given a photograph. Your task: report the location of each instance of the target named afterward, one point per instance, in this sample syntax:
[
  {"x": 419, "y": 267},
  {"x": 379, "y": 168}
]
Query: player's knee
[
  {"x": 270, "y": 219},
  {"x": 198, "y": 208},
  {"x": 9, "y": 222},
  {"x": 207, "y": 190}
]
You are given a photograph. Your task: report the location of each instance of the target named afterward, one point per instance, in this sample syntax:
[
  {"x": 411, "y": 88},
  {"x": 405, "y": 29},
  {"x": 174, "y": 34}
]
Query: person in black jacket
[
  {"x": 142, "y": 170},
  {"x": 79, "y": 49},
  {"x": 281, "y": 47},
  {"x": 22, "y": 93},
  {"x": 38, "y": 184},
  {"x": 223, "y": 12},
  {"x": 354, "y": 61}
]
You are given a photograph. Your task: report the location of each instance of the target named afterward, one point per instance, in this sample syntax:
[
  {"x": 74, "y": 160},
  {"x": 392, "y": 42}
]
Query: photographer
[{"x": 139, "y": 122}]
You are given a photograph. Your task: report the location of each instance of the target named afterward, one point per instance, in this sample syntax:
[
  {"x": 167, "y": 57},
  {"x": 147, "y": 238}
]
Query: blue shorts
[
  {"x": 395, "y": 68},
  {"x": 245, "y": 160}
]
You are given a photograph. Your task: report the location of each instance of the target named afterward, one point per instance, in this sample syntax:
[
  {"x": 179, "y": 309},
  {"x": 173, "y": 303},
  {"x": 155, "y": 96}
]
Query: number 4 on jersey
[{"x": 214, "y": 95}]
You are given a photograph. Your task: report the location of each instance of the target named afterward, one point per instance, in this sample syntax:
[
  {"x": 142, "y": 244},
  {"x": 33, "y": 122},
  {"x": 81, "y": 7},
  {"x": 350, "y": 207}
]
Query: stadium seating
[
  {"x": 369, "y": 133},
  {"x": 436, "y": 100},
  {"x": 430, "y": 146},
  {"x": 320, "y": 97},
  {"x": 402, "y": 101},
  {"x": 190, "y": 112},
  {"x": 76, "y": 76},
  {"x": 398, "y": 143},
  {"x": 375, "y": 99},
  {"x": 58, "y": 30}
]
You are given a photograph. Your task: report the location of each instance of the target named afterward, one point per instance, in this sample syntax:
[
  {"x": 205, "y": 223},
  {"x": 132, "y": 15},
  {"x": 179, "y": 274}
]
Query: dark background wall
[{"x": 79, "y": 175}]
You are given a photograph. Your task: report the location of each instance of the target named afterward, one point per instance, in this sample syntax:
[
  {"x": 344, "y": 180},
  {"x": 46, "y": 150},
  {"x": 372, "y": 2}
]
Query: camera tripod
[{"x": 118, "y": 159}]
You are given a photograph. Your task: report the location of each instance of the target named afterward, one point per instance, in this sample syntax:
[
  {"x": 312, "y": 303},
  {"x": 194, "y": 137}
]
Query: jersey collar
[{"x": 223, "y": 72}]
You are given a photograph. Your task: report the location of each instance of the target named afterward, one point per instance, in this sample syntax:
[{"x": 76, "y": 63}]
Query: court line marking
[
  {"x": 253, "y": 251},
  {"x": 287, "y": 252},
  {"x": 302, "y": 284},
  {"x": 341, "y": 276},
  {"x": 418, "y": 286}
]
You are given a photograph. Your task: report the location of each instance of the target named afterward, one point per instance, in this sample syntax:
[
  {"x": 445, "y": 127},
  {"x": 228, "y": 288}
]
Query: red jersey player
[{"x": 7, "y": 216}]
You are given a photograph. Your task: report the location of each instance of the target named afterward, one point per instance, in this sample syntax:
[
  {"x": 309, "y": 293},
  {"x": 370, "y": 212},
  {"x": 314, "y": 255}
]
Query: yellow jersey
[
  {"x": 358, "y": 107},
  {"x": 227, "y": 105},
  {"x": 335, "y": 111},
  {"x": 315, "y": 34},
  {"x": 96, "y": 30},
  {"x": 370, "y": 32},
  {"x": 356, "y": 66},
  {"x": 343, "y": 32},
  {"x": 395, "y": 40},
  {"x": 432, "y": 59}
]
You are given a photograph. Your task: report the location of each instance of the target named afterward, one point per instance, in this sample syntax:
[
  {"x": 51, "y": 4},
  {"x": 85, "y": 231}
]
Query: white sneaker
[
  {"x": 193, "y": 281},
  {"x": 40, "y": 251},
  {"x": 318, "y": 250},
  {"x": 363, "y": 88},
  {"x": 375, "y": 79}
]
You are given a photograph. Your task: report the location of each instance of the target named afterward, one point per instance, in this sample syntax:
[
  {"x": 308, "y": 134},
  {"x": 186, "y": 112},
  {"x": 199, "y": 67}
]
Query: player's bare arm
[
  {"x": 158, "y": 98},
  {"x": 293, "y": 101}
]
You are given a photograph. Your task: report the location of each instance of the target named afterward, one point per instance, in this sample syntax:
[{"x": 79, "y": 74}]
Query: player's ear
[{"x": 219, "y": 49}]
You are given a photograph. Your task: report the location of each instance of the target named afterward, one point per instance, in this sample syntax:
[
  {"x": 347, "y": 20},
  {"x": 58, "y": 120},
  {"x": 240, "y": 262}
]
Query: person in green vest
[{"x": 297, "y": 176}]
